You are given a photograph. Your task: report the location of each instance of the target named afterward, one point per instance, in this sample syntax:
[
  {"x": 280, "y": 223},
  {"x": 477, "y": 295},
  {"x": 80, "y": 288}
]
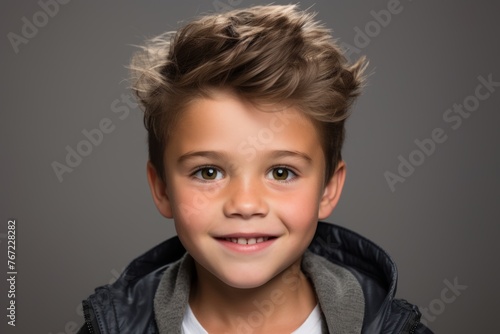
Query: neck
[{"x": 267, "y": 308}]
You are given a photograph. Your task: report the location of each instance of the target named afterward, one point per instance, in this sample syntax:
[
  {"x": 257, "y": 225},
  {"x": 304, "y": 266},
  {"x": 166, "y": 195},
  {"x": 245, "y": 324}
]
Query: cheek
[
  {"x": 299, "y": 209},
  {"x": 187, "y": 206},
  {"x": 193, "y": 207}
]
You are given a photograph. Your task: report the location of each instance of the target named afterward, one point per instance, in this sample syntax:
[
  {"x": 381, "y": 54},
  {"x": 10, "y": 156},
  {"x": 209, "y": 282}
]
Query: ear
[
  {"x": 159, "y": 191},
  {"x": 332, "y": 191}
]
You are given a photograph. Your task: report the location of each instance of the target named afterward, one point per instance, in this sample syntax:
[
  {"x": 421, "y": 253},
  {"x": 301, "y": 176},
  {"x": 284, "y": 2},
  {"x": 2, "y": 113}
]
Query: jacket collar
[
  {"x": 371, "y": 266},
  {"x": 339, "y": 294}
]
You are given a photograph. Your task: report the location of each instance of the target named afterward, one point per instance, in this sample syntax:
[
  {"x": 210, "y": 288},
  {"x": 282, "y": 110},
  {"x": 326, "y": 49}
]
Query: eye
[
  {"x": 208, "y": 174},
  {"x": 281, "y": 174}
]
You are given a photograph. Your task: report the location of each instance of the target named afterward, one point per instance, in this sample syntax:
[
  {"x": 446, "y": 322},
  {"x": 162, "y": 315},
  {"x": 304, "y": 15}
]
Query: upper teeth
[{"x": 249, "y": 241}]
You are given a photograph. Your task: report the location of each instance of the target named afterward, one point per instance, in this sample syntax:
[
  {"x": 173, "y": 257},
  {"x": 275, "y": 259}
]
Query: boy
[{"x": 245, "y": 115}]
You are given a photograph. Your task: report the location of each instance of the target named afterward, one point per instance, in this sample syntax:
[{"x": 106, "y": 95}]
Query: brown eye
[
  {"x": 280, "y": 174},
  {"x": 208, "y": 174}
]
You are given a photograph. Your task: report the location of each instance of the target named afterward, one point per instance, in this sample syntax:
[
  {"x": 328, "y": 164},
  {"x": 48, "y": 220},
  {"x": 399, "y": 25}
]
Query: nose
[{"x": 245, "y": 200}]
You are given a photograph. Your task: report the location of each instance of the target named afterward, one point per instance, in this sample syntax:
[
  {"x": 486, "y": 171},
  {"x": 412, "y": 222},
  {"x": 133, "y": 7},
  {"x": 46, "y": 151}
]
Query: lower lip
[{"x": 253, "y": 248}]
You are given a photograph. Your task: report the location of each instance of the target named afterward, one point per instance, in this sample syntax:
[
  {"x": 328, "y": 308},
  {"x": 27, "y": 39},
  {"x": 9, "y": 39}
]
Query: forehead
[{"x": 224, "y": 120}]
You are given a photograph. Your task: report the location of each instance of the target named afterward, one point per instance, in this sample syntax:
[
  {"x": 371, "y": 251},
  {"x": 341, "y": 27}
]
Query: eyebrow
[
  {"x": 221, "y": 156},
  {"x": 293, "y": 154},
  {"x": 203, "y": 154}
]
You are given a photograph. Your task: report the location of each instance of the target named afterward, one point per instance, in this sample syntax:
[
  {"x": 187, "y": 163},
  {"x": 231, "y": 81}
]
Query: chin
[{"x": 243, "y": 281}]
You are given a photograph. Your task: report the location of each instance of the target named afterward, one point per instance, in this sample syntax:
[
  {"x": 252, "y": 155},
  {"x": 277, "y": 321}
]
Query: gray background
[{"x": 440, "y": 224}]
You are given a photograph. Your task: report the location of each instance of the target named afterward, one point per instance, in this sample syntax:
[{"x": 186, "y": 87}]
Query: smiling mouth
[{"x": 247, "y": 241}]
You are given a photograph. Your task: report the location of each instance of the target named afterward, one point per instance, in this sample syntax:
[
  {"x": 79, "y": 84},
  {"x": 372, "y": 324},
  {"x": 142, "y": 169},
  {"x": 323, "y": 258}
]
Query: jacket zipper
[
  {"x": 413, "y": 320},
  {"x": 88, "y": 318},
  {"x": 414, "y": 327}
]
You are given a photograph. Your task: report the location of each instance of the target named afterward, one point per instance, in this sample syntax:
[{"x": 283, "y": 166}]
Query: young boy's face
[{"x": 244, "y": 187}]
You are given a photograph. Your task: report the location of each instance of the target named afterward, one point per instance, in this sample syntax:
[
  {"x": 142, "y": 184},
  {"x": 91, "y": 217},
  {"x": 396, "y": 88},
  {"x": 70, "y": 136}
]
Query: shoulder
[
  {"x": 128, "y": 303},
  {"x": 374, "y": 272}
]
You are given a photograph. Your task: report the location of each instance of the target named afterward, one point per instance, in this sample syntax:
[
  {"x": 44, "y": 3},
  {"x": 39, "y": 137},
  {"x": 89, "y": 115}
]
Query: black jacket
[{"x": 126, "y": 306}]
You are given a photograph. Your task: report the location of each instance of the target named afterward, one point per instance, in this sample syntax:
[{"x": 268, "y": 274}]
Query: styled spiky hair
[{"x": 263, "y": 54}]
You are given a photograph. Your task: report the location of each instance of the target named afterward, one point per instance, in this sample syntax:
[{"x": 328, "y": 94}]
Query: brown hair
[{"x": 264, "y": 54}]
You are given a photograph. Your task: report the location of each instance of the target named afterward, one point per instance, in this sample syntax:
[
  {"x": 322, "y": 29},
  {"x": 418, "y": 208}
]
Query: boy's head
[
  {"x": 266, "y": 55},
  {"x": 245, "y": 116}
]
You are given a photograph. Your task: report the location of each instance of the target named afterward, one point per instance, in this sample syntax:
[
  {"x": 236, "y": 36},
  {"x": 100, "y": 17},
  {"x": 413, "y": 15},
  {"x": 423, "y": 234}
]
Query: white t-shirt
[{"x": 312, "y": 325}]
